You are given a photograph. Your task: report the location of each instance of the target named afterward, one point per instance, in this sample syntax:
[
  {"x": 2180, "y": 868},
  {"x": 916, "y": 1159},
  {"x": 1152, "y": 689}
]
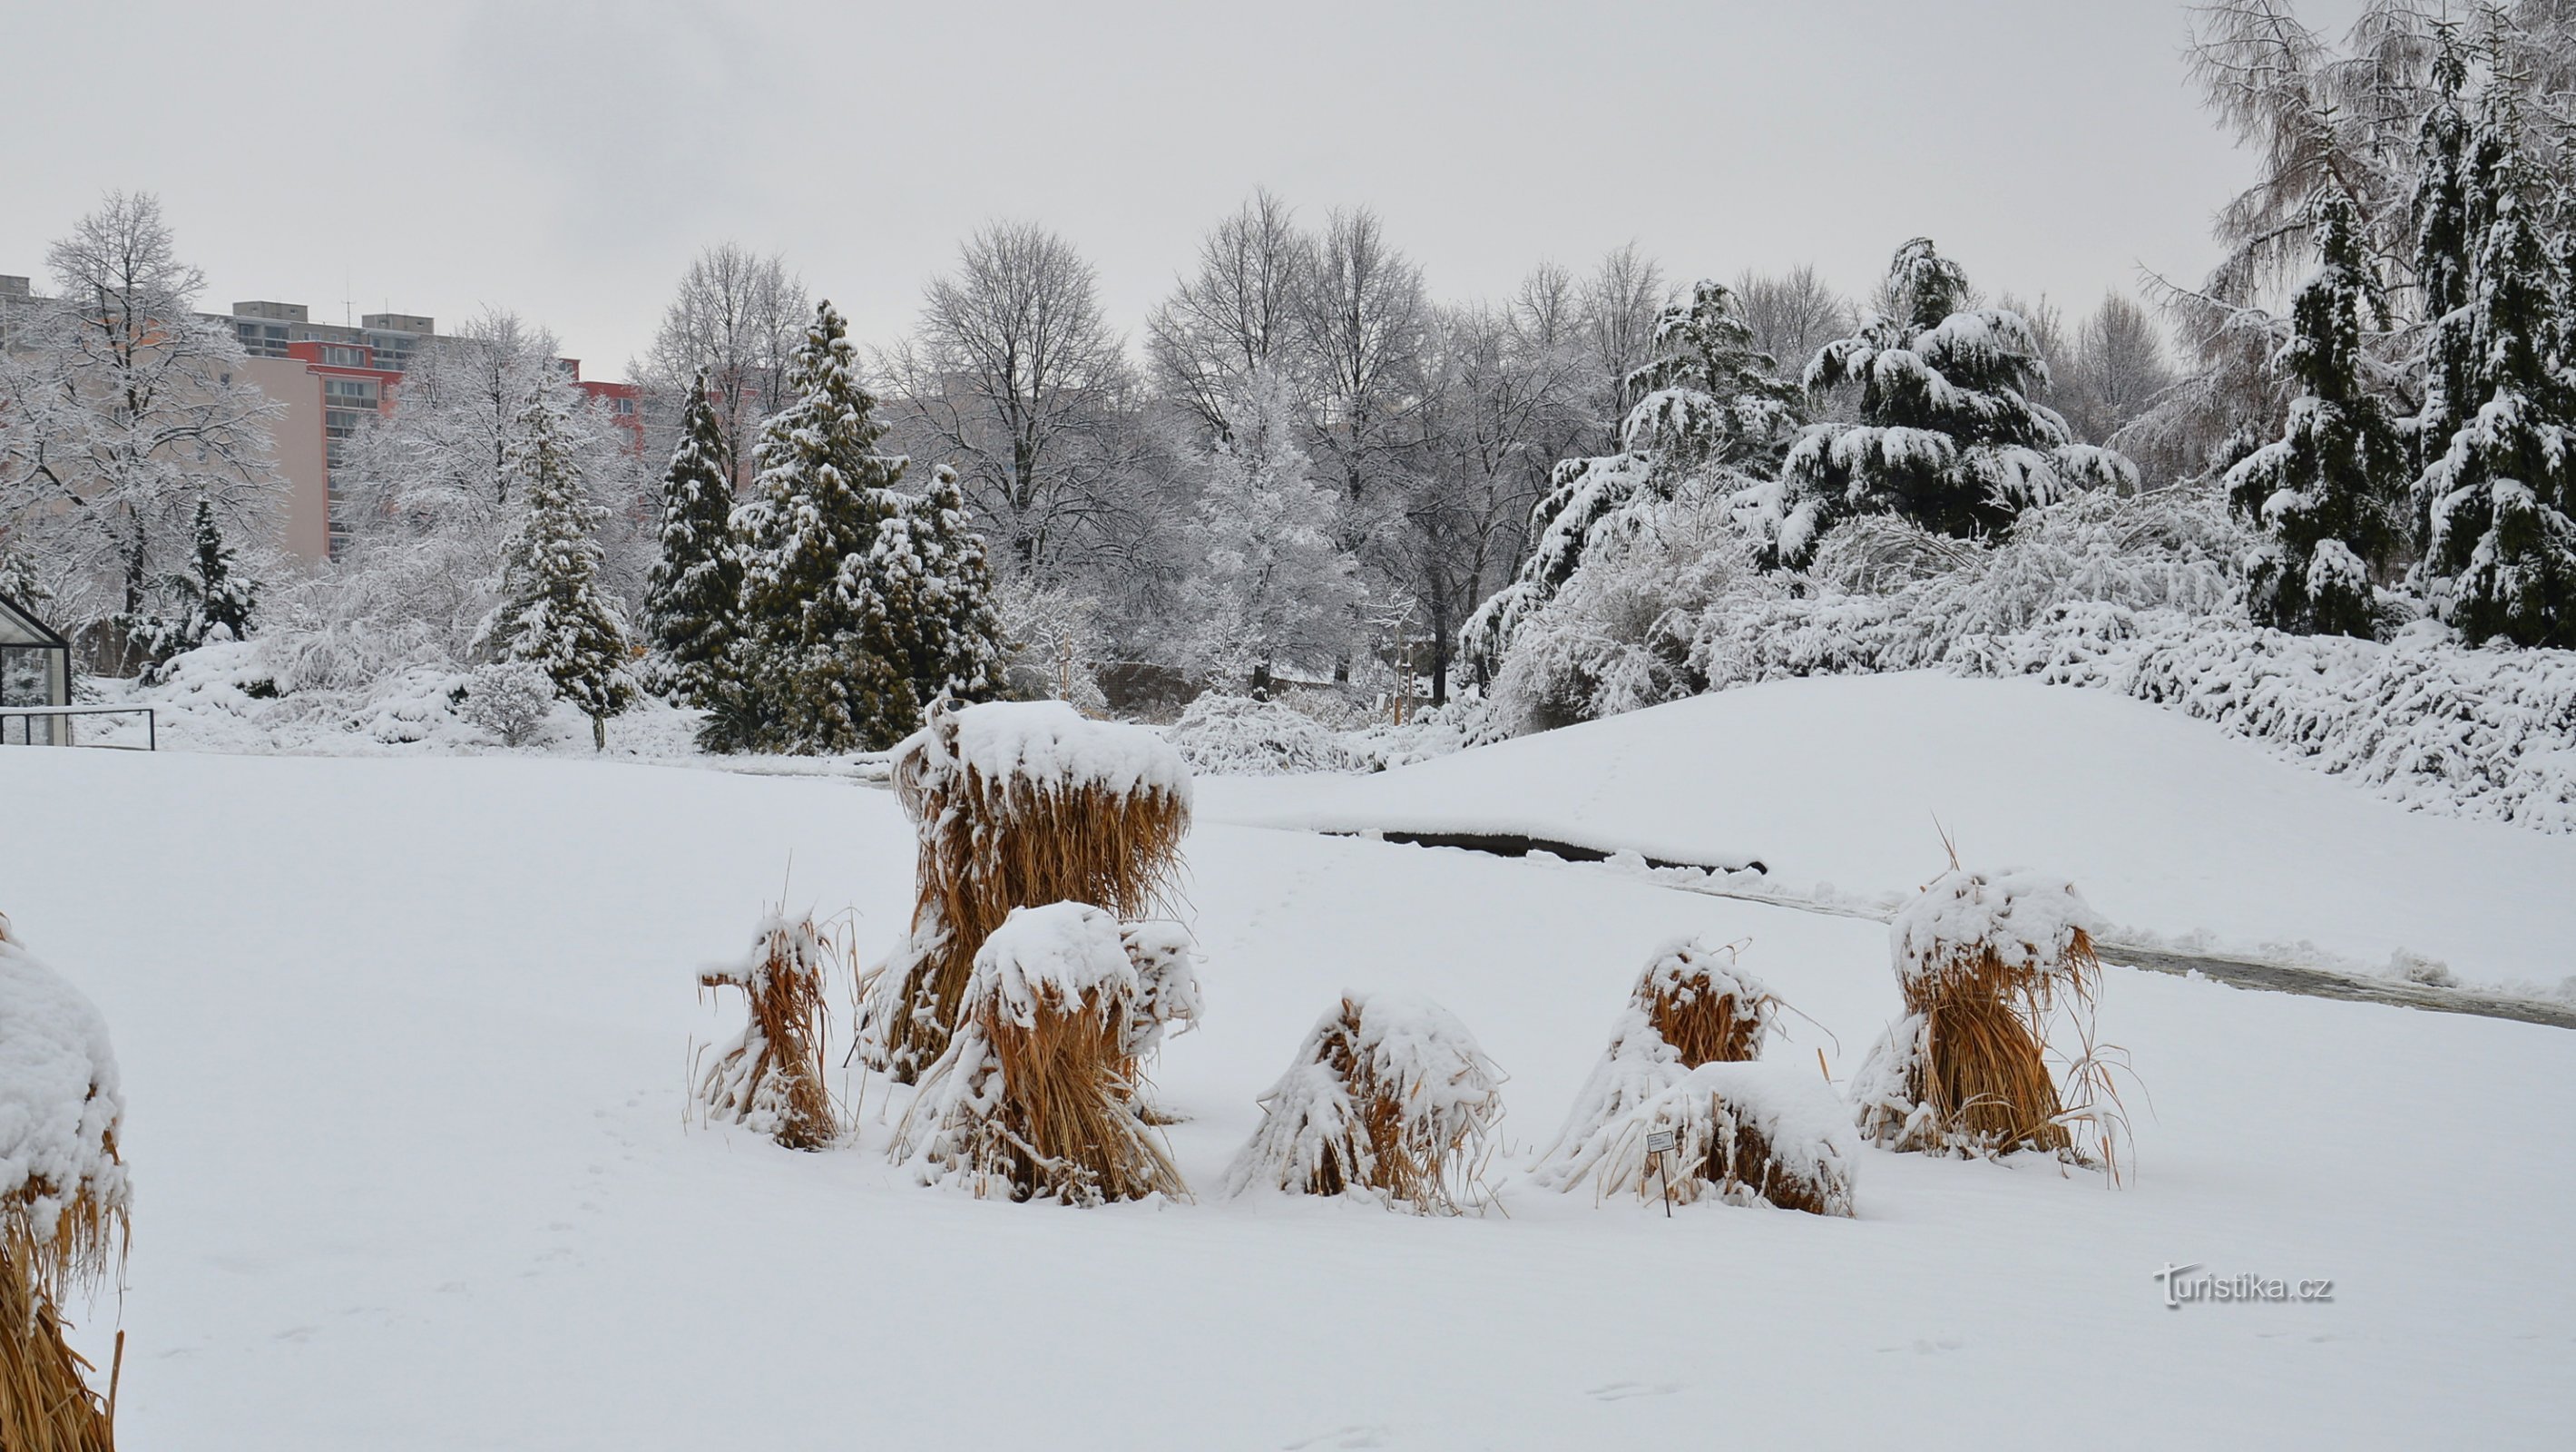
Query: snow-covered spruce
[
  {"x": 1389, "y": 1099},
  {"x": 1223, "y": 735},
  {"x": 2325, "y": 492},
  {"x": 693, "y": 595},
  {"x": 1984, "y": 963},
  {"x": 1749, "y": 1138},
  {"x": 553, "y": 613},
  {"x": 769, "y": 1078},
  {"x": 1948, "y": 435},
  {"x": 1018, "y": 804},
  {"x": 63, "y": 1196},
  {"x": 1036, "y": 1094}
]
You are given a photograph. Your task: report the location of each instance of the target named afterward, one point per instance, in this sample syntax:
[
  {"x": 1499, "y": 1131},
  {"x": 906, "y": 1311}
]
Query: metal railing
[{"x": 26, "y": 716}]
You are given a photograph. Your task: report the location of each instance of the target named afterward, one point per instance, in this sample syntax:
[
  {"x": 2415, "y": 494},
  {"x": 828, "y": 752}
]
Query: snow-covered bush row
[
  {"x": 1239, "y": 736},
  {"x": 2132, "y": 594}
]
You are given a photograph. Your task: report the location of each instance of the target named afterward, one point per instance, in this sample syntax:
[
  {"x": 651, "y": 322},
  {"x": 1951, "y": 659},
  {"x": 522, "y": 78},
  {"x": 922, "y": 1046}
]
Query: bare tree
[
  {"x": 1620, "y": 302},
  {"x": 1792, "y": 314},
  {"x": 737, "y": 315},
  {"x": 1016, "y": 380},
  {"x": 1237, "y": 315},
  {"x": 1363, "y": 321},
  {"x": 1503, "y": 402},
  {"x": 2117, "y": 368},
  {"x": 121, "y": 408}
]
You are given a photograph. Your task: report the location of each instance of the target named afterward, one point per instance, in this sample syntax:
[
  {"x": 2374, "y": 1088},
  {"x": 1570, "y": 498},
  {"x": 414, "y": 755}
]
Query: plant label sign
[{"x": 1659, "y": 1141}]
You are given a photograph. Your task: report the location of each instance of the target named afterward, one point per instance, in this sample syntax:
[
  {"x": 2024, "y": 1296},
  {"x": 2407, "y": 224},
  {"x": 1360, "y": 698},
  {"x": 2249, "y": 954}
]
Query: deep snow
[
  {"x": 1842, "y": 786},
  {"x": 404, "y": 1044}
]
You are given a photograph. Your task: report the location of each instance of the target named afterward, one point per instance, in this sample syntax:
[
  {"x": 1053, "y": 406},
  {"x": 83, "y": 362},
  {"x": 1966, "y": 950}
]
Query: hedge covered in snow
[{"x": 2130, "y": 594}]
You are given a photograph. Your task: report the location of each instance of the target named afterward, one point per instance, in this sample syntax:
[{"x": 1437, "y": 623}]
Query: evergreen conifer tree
[
  {"x": 695, "y": 587},
  {"x": 2499, "y": 501},
  {"x": 1948, "y": 435},
  {"x": 818, "y": 667},
  {"x": 2326, "y": 491},
  {"x": 553, "y": 613},
  {"x": 1712, "y": 412},
  {"x": 939, "y": 595},
  {"x": 213, "y": 595},
  {"x": 2444, "y": 238}
]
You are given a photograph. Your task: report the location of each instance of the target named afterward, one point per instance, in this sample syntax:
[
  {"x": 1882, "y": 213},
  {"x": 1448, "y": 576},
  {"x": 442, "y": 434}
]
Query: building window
[
  {"x": 341, "y": 356},
  {"x": 625, "y": 405}
]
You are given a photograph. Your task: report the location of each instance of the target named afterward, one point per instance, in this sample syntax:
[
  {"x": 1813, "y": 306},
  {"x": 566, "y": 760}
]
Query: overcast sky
[{"x": 565, "y": 160}]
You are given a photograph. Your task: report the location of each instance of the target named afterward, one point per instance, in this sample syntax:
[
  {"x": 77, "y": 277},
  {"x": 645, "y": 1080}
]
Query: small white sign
[{"x": 1659, "y": 1141}]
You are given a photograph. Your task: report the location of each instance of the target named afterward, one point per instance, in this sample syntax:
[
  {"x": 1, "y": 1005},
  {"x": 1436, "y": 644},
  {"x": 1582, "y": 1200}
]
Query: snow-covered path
[
  {"x": 1843, "y": 786},
  {"x": 405, "y": 1046}
]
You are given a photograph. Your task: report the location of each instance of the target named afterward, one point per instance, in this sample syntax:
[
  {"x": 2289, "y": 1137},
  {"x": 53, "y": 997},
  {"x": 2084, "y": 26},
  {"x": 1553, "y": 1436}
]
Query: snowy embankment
[
  {"x": 403, "y": 1042},
  {"x": 2181, "y": 835}
]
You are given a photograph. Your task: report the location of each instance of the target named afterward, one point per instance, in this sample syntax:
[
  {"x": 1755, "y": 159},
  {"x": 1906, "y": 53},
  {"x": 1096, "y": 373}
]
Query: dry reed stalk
[
  {"x": 1724, "y": 1145},
  {"x": 1037, "y": 1095},
  {"x": 771, "y": 1077},
  {"x": 989, "y": 845},
  {"x": 1966, "y": 1071},
  {"x": 45, "y": 1401},
  {"x": 1710, "y": 1012},
  {"x": 1393, "y": 1100},
  {"x": 52, "y": 1238}
]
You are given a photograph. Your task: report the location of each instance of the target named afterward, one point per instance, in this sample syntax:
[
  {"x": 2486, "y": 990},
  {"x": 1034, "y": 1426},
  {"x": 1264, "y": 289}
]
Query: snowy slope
[
  {"x": 2173, "y": 829},
  {"x": 404, "y": 1045}
]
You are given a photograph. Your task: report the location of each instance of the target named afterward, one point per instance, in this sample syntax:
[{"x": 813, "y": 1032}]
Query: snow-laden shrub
[
  {"x": 1240, "y": 736},
  {"x": 511, "y": 699}
]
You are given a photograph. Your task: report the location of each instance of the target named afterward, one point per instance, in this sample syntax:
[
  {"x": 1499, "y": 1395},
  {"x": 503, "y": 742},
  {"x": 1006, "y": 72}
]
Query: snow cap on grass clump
[
  {"x": 1035, "y": 1095},
  {"x": 770, "y": 1077},
  {"x": 1695, "y": 1016},
  {"x": 1017, "y": 805},
  {"x": 1389, "y": 1097},
  {"x": 1984, "y": 961},
  {"x": 63, "y": 1198},
  {"x": 1239, "y": 736}
]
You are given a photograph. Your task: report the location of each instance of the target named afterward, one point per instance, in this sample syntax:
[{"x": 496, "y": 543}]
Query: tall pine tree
[
  {"x": 695, "y": 588},
  {"x": 2499, "y": 500},
  {"x": 819, "y": 667},
  {"x": 1948, "y": 435},
  {"x": 2326, "y": 492},
  {"x": 553, "y": 613}
]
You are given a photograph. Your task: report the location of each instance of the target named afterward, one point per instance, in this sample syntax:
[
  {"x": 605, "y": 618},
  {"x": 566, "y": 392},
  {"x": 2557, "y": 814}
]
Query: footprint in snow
[
  {"x": 1351, "y": 1436},
  {"x": 1620, "y": 1391}
]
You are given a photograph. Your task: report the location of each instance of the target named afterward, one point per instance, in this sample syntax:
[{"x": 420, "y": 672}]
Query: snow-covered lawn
[
  {"x": 2175, "y": 830},
  {"x": 404, "y": 1042}
]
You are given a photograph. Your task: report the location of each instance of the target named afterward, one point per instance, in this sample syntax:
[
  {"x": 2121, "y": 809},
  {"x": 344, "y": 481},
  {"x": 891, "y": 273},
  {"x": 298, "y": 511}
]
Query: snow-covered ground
[
  {"x": 405, "y": 1046},
  {"x": 1841, "y": 786}
]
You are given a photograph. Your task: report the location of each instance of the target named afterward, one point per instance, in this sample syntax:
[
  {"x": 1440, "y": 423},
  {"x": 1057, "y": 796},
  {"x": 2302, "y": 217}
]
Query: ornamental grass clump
[
  {"x": 1680, "y": 1063},
  {"x": 1018, "y": 804},
  {"x": 63, "y": 1201},
  {"x": 770, "y": 1077},
  {"x": 1037, "y": 1092},
  {"x": 1986, "y": 963},
  {"x": 1389, "y": 1099}
]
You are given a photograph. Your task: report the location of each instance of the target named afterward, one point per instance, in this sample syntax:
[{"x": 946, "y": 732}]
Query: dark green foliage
[
  {"x": 2326, "y": 491},
  {"x": 695, "y": 589}
]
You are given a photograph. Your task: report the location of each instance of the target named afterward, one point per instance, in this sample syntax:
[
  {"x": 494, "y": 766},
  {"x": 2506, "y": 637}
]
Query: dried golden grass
[
  {"x": 1385, "y": 1144},
  {"x": 1979, "y": 1064},
  {"x": 990, "y": 846},
  {"x": 1069, "y": 1117},
  {"x": 1733, "y": 1157},
  {"x": 1046, "y": 1103},
  {"x": 776, "y": 1071},
  {"x": 45, "y": 1401},
  {"x": 1703, "y": 1018}
]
